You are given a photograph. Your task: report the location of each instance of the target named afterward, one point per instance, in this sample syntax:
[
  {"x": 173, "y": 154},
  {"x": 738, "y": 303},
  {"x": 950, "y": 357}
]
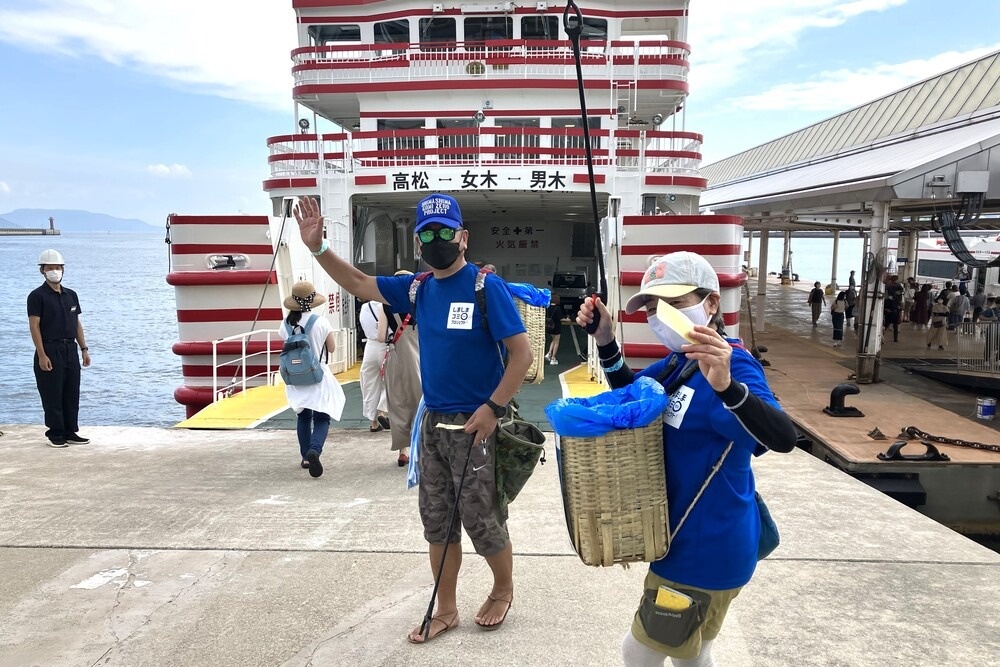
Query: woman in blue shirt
[{"x": 720, "y": 409}]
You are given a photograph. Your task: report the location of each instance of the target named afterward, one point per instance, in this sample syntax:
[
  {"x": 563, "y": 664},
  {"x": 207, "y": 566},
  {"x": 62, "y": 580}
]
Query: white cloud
[
  {"x": 842, "y": 89},
  {"x": 237, "y": 49},
  {"x": 168, "y": 171},
  {"x": 728, "y": 36},
  {"x": 4, "y": 188}
]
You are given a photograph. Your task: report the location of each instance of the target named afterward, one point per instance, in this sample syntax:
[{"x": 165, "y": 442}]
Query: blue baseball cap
[{"x": 438, "y": 208}]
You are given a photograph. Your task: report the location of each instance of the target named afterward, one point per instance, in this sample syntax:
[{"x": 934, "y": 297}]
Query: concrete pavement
[{"x": 168, "y": 547}]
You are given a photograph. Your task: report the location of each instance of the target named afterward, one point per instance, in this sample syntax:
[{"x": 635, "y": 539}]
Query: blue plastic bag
[
  {"x": 530, "y": 294},
  {"x": 634, "y": 406}
]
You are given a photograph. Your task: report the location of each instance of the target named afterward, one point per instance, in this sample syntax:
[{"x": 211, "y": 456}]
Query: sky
[{"x": 141, "y": 108}]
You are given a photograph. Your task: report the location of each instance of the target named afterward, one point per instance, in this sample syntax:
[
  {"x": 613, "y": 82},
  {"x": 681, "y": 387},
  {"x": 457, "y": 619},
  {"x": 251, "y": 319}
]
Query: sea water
[
  {"x": 812, "y": 258},
  {"x": 129, "y": 319}
]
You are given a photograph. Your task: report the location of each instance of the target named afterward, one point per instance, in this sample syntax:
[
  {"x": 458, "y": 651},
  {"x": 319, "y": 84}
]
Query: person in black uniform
[{"x": 56, "y": 330}]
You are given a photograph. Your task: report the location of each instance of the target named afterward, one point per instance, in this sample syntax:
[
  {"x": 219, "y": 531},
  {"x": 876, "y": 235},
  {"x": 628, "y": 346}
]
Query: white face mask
[
  {"x": 670, "y": 338},
  {"x": 54, "y": 276}
]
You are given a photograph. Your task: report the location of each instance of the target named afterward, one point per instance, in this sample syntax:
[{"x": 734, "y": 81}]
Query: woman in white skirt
[
  {"x": 315, "y": 404},
  {"x": 372, "y": 384}
]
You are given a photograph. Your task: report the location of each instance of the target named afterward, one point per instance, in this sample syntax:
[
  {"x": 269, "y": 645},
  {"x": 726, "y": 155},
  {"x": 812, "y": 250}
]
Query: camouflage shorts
[{"x": 442, "y": 458}]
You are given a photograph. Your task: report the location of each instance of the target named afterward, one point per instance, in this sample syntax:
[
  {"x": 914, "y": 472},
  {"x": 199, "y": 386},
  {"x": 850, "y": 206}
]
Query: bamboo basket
[
  {"x": 534, "y": 321},
  {"x": 615, "y": 495}
]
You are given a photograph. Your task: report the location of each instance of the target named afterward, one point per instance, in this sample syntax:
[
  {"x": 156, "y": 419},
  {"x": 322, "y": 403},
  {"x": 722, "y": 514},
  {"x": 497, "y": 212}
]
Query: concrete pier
[{"x": 170, "y": 547}]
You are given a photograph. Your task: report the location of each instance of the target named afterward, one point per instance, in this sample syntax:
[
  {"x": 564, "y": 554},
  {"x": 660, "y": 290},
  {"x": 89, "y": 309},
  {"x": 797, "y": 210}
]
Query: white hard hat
[{"x": 50, "y": 257}]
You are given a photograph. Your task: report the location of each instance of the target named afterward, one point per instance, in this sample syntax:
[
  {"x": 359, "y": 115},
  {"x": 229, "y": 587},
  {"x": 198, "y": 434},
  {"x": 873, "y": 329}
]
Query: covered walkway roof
[{"x": 912, "y": 149}]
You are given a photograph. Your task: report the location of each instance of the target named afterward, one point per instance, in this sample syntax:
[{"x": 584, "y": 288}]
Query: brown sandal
[
  {"x": 418, "y": 631},
  {"x": 503, "y": 618}
]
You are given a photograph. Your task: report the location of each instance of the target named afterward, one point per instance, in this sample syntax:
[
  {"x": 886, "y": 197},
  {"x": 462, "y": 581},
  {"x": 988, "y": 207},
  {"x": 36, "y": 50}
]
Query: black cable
[{"x": 573, "y": 23}]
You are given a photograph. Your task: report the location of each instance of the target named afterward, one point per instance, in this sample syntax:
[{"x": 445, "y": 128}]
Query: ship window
[
  {"x": 400, "y": 143},
  {"x": 514, "y": 135},
  {"x": 438, "y": 29},
  {"x": 463, "y": 135},
  {"x": 540, "y": 27},
  {"x": 937, "y": 268},
  {"x": 573, "y": 132},
  {"x": 481, "y": 29},
  {"x": 594, "y": 29},
  {"x": 392, "y": 32},
  {"x": 331, "y": 34}
]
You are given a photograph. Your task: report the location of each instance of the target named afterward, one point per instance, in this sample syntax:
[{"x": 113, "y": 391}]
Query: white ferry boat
[
  {"x": 936, "y": 264},
  {"x": 395, "y": 100}
]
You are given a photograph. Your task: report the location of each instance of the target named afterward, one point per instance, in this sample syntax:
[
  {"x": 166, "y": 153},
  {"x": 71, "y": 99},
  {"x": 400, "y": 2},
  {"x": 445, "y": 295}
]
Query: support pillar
[
  {"x": 759, "y": 322},
  {"x": 786, "y": 260},
  {"x": 833, "y": 269},
  {"x": 870, "y": 331},
  {"x": 911, "y": 256}
]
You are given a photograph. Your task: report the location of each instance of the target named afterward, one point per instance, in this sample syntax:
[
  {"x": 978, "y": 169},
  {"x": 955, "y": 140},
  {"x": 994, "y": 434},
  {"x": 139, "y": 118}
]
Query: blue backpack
[{"x": 298, "y": 364}]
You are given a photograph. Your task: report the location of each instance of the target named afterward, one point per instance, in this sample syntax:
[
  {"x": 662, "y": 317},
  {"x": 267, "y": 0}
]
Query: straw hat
[{"x": 303, "y": 297}]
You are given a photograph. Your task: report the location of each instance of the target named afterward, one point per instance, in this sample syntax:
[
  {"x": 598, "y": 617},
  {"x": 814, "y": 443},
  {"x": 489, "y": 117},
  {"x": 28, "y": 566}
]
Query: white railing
[
  {"x": 648, "y": 151},
  {"x": 976, "y": 347},
  {"x": 224, "y": 392},
  {"x": 502, "y": 59},
  {"x": 343, "y": 359}
]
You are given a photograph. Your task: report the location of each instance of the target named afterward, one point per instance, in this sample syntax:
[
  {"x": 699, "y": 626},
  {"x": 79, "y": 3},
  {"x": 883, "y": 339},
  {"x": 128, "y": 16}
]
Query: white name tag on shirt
[
  {"x": 677, "y": 406},
  {"x": 460, "y": 316}
]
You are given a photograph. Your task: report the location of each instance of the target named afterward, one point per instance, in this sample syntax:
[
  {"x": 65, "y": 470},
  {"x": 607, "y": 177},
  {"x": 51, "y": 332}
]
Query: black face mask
[{"x": 440, "y": 254}]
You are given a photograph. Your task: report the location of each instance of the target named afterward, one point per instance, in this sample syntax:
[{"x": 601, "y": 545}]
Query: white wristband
[{"x": 323, "y": 248}]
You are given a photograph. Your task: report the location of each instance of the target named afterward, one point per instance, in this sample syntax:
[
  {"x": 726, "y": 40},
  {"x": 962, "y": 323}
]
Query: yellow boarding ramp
[{"x": 252, "y": 407}]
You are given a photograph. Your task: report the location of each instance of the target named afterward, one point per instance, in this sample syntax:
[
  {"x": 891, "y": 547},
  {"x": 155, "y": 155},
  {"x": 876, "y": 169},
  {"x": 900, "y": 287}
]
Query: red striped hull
[{"x": 213, "y": 303}]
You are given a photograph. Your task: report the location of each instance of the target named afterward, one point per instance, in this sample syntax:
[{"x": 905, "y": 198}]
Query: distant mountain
[
  {"x": 7, "y": 224},
  {"x": 72, "y": 221}
]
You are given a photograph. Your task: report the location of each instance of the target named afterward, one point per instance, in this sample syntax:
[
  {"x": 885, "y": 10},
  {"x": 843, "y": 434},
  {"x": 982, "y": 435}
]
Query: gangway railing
[
  {"x": 340, "y": 361},
  {"x": 976, "y": 346},
  {"x": 240, "y": 377}
]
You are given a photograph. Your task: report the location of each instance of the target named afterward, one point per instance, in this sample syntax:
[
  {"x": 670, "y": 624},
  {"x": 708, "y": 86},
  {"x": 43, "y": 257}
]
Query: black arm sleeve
[
  {"x": 769, "y": 425},
  {"x": 609, "y": 355}
]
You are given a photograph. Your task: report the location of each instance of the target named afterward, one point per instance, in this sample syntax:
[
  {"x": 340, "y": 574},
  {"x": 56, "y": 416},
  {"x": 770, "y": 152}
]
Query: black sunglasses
[{"x": 445, "y": 234}]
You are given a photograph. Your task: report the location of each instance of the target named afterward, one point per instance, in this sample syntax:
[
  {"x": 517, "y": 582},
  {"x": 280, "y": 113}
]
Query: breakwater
[{"x": 25, "y": 231}]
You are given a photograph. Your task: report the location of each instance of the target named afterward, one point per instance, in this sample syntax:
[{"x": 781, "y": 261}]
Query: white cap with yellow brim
[{"x": 672, "y": 276}]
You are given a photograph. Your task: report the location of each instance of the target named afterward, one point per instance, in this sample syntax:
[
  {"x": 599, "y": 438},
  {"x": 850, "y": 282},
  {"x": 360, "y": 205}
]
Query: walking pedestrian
[
  {"x": 890, "y": 314},
  {"x": 852, "y": 298},
  {"x": 989, "y": 321},
  {"x": 978, "y": 302},
  {"x": 373, "y": 395},
  {"x": 402, "y": 375},
  {"x": 727, "y": 412},
  {"x": 57, "y": 333},
  {"x": 817, "y": 299},
  {"x": 465, "y": 385},
  {"x": 314, "y": 404},
  {"x": 922, "y": 306},
  {"x": 909, "y": 295},
  {"x": 938, "y": 333},
  {"x": 553, "y": 327},
  {"x": 838, "y": 312}
]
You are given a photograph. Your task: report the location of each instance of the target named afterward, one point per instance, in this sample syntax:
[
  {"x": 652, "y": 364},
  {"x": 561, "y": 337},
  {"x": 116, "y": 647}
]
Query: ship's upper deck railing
[
  {"x": 627, "y": 150},
  {"x": 495, "y": 59}
]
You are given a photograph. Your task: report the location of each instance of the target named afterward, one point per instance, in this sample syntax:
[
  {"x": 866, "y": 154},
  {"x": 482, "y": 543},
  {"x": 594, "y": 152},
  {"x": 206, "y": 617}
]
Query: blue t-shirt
[
  {"x": 716, "y": 548},
  {"x": 460, "y": 363}
]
